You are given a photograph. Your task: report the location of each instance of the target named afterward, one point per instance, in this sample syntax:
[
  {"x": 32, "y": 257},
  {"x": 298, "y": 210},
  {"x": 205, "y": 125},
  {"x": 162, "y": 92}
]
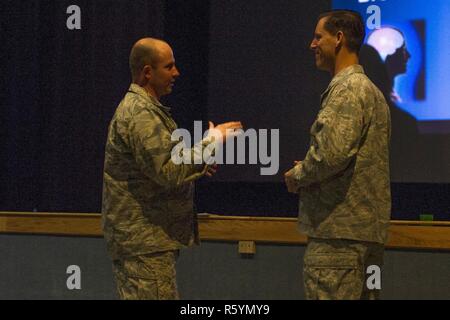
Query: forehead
[
  {"x": 320, "y": 27},
  {"x": 165, "y": 54}
]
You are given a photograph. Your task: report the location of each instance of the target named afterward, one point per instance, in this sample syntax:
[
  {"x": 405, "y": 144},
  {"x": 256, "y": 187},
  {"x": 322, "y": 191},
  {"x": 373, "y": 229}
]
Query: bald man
[{"x": 147, "y": 208}]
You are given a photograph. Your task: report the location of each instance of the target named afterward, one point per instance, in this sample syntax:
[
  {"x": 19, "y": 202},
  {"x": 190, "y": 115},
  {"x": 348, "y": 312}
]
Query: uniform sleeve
[
  {"x": 151, "y": 145},
  {"x": 335, "y": 139}
]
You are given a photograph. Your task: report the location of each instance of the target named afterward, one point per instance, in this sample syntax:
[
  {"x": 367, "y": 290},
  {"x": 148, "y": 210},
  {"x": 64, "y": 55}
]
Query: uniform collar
[
  {"x": 135, "y": 88},
  {"x": 354, "y": 68}
]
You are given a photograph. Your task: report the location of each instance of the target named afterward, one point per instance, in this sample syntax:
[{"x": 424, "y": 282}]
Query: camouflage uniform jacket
[
  {"x": 147, "y": 203},
  {"x": 343, "y": 182}
]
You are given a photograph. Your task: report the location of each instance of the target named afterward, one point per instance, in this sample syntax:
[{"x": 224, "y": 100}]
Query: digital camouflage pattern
[
  {"x": 336, "y": 269},
  {"x": 147, "y": 199},
  {"x": 343, "y": 182},
  {"x": 147, "y": 277}
]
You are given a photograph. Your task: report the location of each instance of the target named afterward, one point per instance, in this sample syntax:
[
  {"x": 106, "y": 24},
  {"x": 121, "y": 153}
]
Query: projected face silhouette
[
  {"x": 390, "y": 44},
  {"x": 397, "y": 62}
]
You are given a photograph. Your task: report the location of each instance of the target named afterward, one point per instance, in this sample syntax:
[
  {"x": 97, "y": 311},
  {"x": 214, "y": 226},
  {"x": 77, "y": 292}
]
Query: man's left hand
[
  {"x": 291, "y": 183},
  {"x": 212, "y": 169}
]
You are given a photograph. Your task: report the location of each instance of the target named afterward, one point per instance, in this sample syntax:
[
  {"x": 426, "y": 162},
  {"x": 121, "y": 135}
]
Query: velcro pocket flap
[{"x": 331, "y": 260}]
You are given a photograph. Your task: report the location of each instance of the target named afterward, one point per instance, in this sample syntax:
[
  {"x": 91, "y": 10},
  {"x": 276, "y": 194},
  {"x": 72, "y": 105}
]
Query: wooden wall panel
[{"x": 402, "y": 234}]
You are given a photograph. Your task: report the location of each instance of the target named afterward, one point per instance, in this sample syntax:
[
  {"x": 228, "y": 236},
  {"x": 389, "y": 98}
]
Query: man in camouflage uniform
[
  {"x": 343, "y": 182},
  {"x": 148, "y": 212}
]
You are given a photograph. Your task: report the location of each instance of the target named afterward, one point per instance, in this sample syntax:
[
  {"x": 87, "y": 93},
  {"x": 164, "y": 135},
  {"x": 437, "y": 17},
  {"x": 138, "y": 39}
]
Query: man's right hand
[{"x": 225, "y": 131}]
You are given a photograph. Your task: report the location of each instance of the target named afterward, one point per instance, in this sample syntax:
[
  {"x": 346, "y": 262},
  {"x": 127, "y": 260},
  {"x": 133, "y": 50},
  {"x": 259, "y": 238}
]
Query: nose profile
[
  {"x": 313, "y": 45},
  {"x": 408, "y": 55},
  {"x": 176, "y": 73}
]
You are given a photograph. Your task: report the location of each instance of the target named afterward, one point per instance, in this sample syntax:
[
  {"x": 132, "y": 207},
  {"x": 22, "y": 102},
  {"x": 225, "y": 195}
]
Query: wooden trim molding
[
  {"x": 72, "y": 224},
  {"x": 402, "y": 234}
]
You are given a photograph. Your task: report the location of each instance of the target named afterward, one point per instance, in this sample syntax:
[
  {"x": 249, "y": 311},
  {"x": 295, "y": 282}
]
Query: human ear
[
  {"x": 147, "y": 71},
  {"x": 339, "y": 38}
]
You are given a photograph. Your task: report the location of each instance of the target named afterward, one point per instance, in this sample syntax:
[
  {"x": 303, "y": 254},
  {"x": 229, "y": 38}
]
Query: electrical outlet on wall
[{"x": 247, "y": 247}]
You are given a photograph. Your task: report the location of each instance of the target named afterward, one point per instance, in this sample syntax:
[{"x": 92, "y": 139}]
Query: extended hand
[{"x": 226, "y": 130}]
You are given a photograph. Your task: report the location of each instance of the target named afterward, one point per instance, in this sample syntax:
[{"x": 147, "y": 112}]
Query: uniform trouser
[
  {"x": 336, "y": 269},
  {"x": 147, "y": 277}
]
